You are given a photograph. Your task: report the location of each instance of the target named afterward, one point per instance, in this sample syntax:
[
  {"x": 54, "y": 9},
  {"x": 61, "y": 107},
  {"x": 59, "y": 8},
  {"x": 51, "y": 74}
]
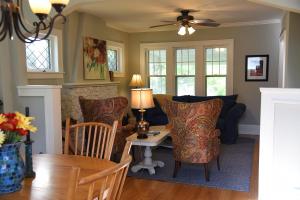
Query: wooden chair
[
  {"x": 104, "y": 185},
  {"x": 93, "y": 139}
]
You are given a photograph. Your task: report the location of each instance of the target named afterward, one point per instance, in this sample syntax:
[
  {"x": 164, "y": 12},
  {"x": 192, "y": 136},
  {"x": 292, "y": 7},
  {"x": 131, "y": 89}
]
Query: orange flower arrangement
[{"x": 13, "y": 126}]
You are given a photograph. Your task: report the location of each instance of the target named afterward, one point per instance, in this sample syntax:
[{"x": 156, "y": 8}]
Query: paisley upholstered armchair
[
  {"x": 106, "y": 111},
  {"x": 194, "y": 136}
]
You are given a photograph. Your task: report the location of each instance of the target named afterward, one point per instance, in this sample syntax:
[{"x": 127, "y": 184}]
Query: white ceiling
[{"x": 138, "y": 15}]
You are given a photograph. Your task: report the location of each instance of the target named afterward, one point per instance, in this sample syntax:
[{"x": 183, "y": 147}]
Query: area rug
[{"x": 235, "y": 161}]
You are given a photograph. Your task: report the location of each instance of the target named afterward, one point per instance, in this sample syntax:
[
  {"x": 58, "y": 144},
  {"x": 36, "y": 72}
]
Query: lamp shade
[
  {"x": 136, "y": 81},
  {"x": 40, "y": 6},
  {"x": 142, "y": 98}
]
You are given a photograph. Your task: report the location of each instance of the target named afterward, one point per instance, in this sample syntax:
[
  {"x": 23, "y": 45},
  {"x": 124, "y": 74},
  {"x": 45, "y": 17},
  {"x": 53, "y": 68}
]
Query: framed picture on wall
[
  {"x": 94, "y": 59},
  {"x": 257, "y": 68}
]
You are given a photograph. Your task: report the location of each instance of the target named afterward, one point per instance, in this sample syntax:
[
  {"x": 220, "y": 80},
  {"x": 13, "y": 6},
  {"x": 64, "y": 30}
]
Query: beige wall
[
  {"x": 78, "y": 26},
  {"x": 259, "y": 39},
  {"x": 291, "y": 23}
]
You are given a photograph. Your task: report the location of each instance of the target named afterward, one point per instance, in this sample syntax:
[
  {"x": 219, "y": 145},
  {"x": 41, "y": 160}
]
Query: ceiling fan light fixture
[
  {"x": 182, "y": 30},
  {"x": 191, "y": 30}
]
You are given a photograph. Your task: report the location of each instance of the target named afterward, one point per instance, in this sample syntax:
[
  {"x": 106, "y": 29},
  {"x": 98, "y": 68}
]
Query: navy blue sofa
[{"x": 227, "y": 123}]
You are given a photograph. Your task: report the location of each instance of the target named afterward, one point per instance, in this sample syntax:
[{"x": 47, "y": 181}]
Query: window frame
[
  {"x": 120, "y": 48},
  {"x": 56, "y": 59},
  {"x": 200, "y": 65}
]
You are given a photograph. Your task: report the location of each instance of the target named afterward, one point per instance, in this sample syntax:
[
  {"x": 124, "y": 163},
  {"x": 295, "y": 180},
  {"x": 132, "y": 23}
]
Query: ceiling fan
[{"x": 187, "y": 22}]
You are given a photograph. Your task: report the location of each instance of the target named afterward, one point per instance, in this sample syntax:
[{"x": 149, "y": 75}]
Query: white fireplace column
[{"x": 44, "y": 102}]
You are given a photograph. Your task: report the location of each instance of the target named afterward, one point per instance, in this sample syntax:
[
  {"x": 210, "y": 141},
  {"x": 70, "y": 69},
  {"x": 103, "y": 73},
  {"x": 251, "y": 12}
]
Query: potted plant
[{"x": 13, "y": 126}]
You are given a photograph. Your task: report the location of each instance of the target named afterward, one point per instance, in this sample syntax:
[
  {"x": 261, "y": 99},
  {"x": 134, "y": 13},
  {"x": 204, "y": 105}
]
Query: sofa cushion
[{"x": 155, "y": 116}]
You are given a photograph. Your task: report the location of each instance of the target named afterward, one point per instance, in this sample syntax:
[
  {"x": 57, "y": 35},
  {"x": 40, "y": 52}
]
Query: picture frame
[
  {"x": 257, "y": 68},
  {"x": 94, "y": 59}
]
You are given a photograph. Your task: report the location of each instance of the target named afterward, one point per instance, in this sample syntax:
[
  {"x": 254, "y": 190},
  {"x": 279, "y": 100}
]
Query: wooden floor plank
[{"x": 140, "y": 189}]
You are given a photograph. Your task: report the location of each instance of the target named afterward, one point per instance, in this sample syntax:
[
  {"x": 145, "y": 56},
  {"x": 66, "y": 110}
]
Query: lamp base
[{"x": 142, "y": 129}]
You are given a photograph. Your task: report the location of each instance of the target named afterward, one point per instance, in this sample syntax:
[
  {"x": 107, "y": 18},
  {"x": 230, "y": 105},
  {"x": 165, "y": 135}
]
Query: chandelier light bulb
[
  {"x": 40, "y": 6},
  {"x": 182, "y": 30},
  {"x": 191, "y": 30}
]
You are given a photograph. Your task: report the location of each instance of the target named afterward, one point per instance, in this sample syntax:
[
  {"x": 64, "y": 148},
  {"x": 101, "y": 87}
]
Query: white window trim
[
  {"x": 57, "y": 59},
  {"x": 200, "y": 68},
  {"x": 120, "y": 48}
]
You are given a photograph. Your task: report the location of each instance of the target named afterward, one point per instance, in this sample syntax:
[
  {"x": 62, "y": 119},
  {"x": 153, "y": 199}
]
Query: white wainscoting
[
  {"x": 44, "y": 102},
  {"x": 279, "y": 160}
]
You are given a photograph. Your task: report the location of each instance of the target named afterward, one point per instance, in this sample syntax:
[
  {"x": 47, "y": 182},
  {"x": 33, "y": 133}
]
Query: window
[
  {"x": 38, "y": 56},
  {"x": 157, "y": 66},
  {"x": 44, "y": 57},
  {"x": 112, "y": 60},
  {"x": 115, "y": 58},
  {"x": 185, "y": 72},
  {"x": 215, "y": 71},
  {"x": 188, "y": 67}
]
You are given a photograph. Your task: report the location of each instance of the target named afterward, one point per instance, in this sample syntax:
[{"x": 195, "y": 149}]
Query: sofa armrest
[{"x": 235, "y": 112}]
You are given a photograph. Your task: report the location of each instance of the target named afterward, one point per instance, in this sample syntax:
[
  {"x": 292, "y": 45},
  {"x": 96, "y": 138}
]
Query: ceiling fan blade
[
  {"x": 167, "y": 21},
  {"x": 162, "y": 25},
  {"x": 195, "y": 21},
  {"x": 207, "y": 24}
]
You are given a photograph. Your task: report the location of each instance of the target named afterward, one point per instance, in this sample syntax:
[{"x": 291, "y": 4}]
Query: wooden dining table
[{"x": 53, "y": 175}]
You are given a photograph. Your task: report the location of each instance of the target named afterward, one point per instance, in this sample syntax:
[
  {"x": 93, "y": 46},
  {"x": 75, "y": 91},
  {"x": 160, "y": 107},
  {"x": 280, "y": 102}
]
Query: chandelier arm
[
  {"x": 51, "y": 24},
  {"x": 22, "y": 36},
  {"x": 22, "y": 24}
]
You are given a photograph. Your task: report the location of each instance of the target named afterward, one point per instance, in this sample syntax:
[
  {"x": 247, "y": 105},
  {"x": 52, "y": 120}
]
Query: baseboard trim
[{"x": 249, "y": 129}]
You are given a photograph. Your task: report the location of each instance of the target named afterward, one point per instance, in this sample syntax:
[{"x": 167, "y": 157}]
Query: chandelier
[{"x": 13, "y": 20}]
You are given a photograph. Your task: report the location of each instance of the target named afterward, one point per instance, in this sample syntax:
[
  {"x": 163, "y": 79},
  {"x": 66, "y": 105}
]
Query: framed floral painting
[{"x": 94, "y": 59}]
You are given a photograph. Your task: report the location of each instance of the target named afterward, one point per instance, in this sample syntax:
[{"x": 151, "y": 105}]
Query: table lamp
[
  {"x": 136, "y": 81},
  {"x": 142, "y": 99}
]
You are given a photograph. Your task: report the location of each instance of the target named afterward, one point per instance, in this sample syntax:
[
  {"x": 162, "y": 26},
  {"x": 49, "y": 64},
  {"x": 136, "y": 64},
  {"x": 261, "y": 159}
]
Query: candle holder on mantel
[{"x": 29, "y": 173}]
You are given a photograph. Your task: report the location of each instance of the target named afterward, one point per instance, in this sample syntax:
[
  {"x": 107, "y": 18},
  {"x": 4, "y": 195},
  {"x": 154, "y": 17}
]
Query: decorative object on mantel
[
  {"x": 111, "y": 76},
  {"x": 13, "y": 20},
  {"x": 94, "y": 59},
  {"x": 257, "y": 68},
  {"x": 142, "y": 99},
  {"x": 12, "y": 127},
  {"x": 136, "y": 81}
]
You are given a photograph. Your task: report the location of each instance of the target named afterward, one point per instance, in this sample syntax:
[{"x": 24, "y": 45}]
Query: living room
[{"x": 242, "y": 29}]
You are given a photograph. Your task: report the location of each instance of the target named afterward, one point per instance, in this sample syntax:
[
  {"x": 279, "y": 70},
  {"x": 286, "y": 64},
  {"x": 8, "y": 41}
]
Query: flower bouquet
[{"x": 13, "y": 126}]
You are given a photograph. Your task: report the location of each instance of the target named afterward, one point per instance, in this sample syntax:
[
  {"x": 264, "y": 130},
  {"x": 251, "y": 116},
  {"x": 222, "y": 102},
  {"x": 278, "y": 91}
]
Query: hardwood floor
[{"x": 139, "y": 189}]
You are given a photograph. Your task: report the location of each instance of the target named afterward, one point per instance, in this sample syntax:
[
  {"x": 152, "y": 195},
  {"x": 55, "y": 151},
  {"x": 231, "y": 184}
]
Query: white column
[{"x": 52, "y": 113}]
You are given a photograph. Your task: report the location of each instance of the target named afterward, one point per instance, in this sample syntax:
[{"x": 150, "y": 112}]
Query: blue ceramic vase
[{"x": 11, "y": 168}]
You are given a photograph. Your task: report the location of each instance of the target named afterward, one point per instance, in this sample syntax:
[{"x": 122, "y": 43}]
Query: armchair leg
[
  {"x": 206, "y": 172},
  {"x": 218, "y": 162},
  {"x": 176, "y": 168}
]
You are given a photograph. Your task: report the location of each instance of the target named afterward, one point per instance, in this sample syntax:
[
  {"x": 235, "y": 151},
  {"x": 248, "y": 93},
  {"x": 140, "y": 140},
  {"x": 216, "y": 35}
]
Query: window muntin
[
  {"x": 185, "y": 71},
  {"x": 215, "y": 71},
  {"x": 157, "y": 67},
  {"x": 39, "y": 57}
]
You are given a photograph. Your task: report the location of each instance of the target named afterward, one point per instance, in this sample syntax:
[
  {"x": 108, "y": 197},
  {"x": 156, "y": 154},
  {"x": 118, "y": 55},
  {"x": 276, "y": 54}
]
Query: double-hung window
[
  {"x": 215, "y": 71},
  {"x": 185, "y": 71},
  {"x": 157, "y": 66}
]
